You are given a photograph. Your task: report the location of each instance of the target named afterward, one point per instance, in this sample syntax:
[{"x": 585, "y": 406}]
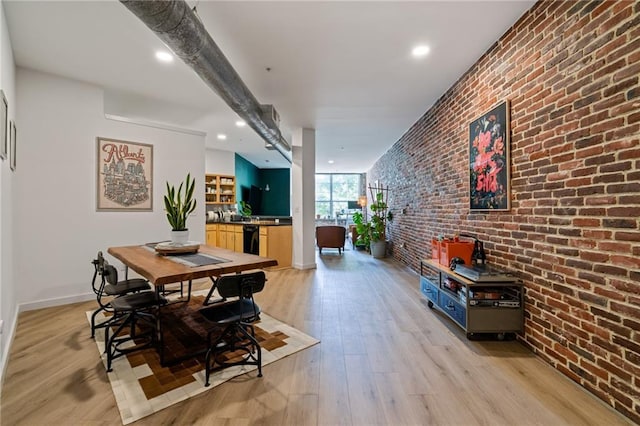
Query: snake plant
[{"x": 179, "y": 206}]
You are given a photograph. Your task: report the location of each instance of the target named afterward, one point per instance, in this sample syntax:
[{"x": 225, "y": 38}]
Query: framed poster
[
  {"x": 12, "y": 139},
  {"x": 4, "y": 126},
  {"x": 124, "y": 176},
  {"x": 489, "y": 160}
]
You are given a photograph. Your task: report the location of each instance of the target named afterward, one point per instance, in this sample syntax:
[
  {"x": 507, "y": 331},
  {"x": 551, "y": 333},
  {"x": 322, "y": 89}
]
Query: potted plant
[
  {"x": 372, "y": 234},
  {"x": 178, "y": 207},
  {"x": 245, "y": 209},
  {"x": 362, "y": 229},
  {"x": 378, "y": 225}
]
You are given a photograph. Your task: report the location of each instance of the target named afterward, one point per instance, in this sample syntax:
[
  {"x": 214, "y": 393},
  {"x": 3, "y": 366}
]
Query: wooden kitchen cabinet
[
  {"x": 262, "y": 246},
  {"x": 223, "y": 237},
  {"x": 230, "y": 237},
  {"x": 238, "y": 240},
  {"x": 276, "y": 243},
  {"x": 212, "y": 234}
]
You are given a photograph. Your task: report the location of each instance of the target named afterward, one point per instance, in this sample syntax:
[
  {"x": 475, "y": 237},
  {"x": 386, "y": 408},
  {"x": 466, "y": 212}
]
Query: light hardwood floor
[{"x": 384, "y": 358}]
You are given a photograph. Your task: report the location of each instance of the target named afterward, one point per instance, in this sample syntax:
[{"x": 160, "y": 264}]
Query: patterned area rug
[{"x": 142, "y": 386}]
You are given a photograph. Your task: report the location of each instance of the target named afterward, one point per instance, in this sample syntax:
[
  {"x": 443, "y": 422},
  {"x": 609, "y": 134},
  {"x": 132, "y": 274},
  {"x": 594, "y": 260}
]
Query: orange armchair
[{"x": 330, "y": 237}]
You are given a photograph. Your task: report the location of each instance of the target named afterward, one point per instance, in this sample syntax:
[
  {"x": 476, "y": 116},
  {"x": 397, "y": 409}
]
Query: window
[{"x": 333, "y": 193}]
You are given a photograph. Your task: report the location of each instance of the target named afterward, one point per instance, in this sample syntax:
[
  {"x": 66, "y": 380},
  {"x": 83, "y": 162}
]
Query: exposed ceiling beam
[{"x": 178, "y": 26}]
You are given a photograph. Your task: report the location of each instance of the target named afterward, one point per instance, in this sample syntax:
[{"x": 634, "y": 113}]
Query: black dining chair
[
  {"x": 105, "y": 291},
  {"x": 231, "y": 339},
  {"x": 136, "y": 318}
]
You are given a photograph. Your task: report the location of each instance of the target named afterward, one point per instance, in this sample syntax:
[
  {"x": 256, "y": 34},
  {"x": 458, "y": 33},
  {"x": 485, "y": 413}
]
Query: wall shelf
[{"x": 220, "y": 189}]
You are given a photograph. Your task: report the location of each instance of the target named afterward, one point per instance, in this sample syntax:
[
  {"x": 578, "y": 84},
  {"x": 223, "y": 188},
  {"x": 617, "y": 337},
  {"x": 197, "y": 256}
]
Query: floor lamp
[{"x": 362, "y": 202}]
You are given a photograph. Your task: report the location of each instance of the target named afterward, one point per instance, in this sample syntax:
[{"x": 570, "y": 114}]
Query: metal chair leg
[{"x": 93, "y": 321}]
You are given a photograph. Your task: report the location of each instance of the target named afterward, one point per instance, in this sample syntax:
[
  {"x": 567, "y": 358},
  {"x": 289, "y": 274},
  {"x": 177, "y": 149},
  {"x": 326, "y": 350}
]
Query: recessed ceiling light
[
  {"x": 241, "y": 123},
  {"x": 222, "y": 136},
  {"x": 164, "y": 56},
  {"x": 330, "y": 161},
  {"x": 420, "y": 51}
]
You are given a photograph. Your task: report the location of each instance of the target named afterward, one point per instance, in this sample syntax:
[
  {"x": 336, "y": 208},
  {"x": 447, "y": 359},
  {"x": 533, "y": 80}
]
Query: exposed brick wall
[{"x": 570, "y": 71}]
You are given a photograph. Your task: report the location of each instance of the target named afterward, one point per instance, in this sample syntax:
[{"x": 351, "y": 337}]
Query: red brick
[
  {"x": 592, "y": 150},
  {"x": 631, "y": 154},
  {"x": 574, "y": 182},
  {"x": 626, "y": 310},
  {"x": 629, "y": 287},
  {"x": 633, "y": 212},
  {"x": 632, "y": 262},
  {"x": 620, "y": 223},
  {"x": 594, "y": 256},
  {"x": 600, "y": 201},
  {"x": 621, "y": 145},
  {"x": 619, "y": 87},
  {"x": 575, "y": 169},
  {"x": 609, "y": 102},
  {"x": 633, "y": 187},
  {"x": 622, "y": 132},
  {"x": 614, "y": 246},
  {"x": 627, "y": 236},
  {"x": 599, "y": 234},
  {"x": 596, "y": 371},
  {"x": 608, "y": 178}
]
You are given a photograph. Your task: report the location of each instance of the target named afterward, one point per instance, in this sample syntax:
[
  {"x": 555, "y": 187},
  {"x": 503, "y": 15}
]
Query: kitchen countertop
[{"x": 259, "y": 223}]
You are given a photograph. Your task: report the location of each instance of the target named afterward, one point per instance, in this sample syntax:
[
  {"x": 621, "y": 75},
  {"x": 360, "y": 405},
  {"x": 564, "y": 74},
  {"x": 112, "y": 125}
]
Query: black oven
[{"x": 251, "y": 239}]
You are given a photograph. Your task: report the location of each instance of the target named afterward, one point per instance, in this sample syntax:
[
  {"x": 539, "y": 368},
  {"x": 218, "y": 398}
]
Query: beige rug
[{"x": 141, "y": 386}]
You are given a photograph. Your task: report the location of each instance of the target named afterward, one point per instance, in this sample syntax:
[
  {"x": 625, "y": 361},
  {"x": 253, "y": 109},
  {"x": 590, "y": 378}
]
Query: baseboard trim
[
  {"x": 305, "y": 265},
  {"x": 24, "y": 307},
  {"x": 49, "y": 303},
  {"x": 7, "y": 348}
]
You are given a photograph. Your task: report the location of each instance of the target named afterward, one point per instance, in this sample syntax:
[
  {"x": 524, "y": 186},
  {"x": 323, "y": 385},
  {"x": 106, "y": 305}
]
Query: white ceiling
[{"x": 342, "y": 68}]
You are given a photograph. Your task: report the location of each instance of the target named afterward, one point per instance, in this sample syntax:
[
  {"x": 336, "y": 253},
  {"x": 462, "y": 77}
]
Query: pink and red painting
[{"x": 489, "y": 162}]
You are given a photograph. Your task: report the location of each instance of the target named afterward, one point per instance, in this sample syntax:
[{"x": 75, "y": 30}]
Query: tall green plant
[
  {"x": 362, "y": 228},
  {"x": 378, "y": 222},
  {"x": 375, "y": 229},
  {"x": 179, "y": 206}
]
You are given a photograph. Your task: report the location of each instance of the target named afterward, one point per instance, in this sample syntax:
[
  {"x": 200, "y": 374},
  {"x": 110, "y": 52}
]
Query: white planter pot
[
  {"x": 378, "y": 248},
  {"x": 180, "y": 237}
]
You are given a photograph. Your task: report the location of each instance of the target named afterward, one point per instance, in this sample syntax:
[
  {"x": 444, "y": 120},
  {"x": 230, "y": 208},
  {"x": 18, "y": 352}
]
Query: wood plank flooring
[{"x": 384, "y": 358}]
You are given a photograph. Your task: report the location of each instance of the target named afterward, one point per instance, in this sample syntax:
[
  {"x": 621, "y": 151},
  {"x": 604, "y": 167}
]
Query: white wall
[
  {"x": 220, "y": 162},
  {"x": 7, "y": 292},
  {"x": 57, "y": 228}
]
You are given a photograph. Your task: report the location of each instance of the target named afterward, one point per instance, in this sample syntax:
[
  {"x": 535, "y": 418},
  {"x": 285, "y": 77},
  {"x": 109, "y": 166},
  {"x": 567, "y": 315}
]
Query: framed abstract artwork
[
  {"x": 12, "y": 141},
  {"x": 4, "y": 126},
  {"x": 489, "y": 160},
  {"x": 124, "y": 176}
]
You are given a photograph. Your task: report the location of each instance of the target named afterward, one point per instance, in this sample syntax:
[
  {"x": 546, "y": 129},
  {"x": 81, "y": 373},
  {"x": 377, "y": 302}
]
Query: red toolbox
[
  {"x": 452, "y": 248},
  {"x": 435, "y": 250}
]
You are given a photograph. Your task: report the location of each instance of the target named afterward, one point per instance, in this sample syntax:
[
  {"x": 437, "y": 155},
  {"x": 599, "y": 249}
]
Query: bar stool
[
  {"x": 235, "y": 318},
  {"x": 130, "y": 312},
  {"x": 108, "y": 291}
]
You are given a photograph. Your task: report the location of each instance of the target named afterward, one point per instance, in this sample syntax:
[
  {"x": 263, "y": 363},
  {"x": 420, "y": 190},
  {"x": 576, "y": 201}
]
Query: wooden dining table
[{"x": 161, "y": 270}]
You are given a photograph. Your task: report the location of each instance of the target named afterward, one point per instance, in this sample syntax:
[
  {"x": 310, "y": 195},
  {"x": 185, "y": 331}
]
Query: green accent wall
[
  {"x": 246, "y": 175},
  {"x": 276, "y": 201}
]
